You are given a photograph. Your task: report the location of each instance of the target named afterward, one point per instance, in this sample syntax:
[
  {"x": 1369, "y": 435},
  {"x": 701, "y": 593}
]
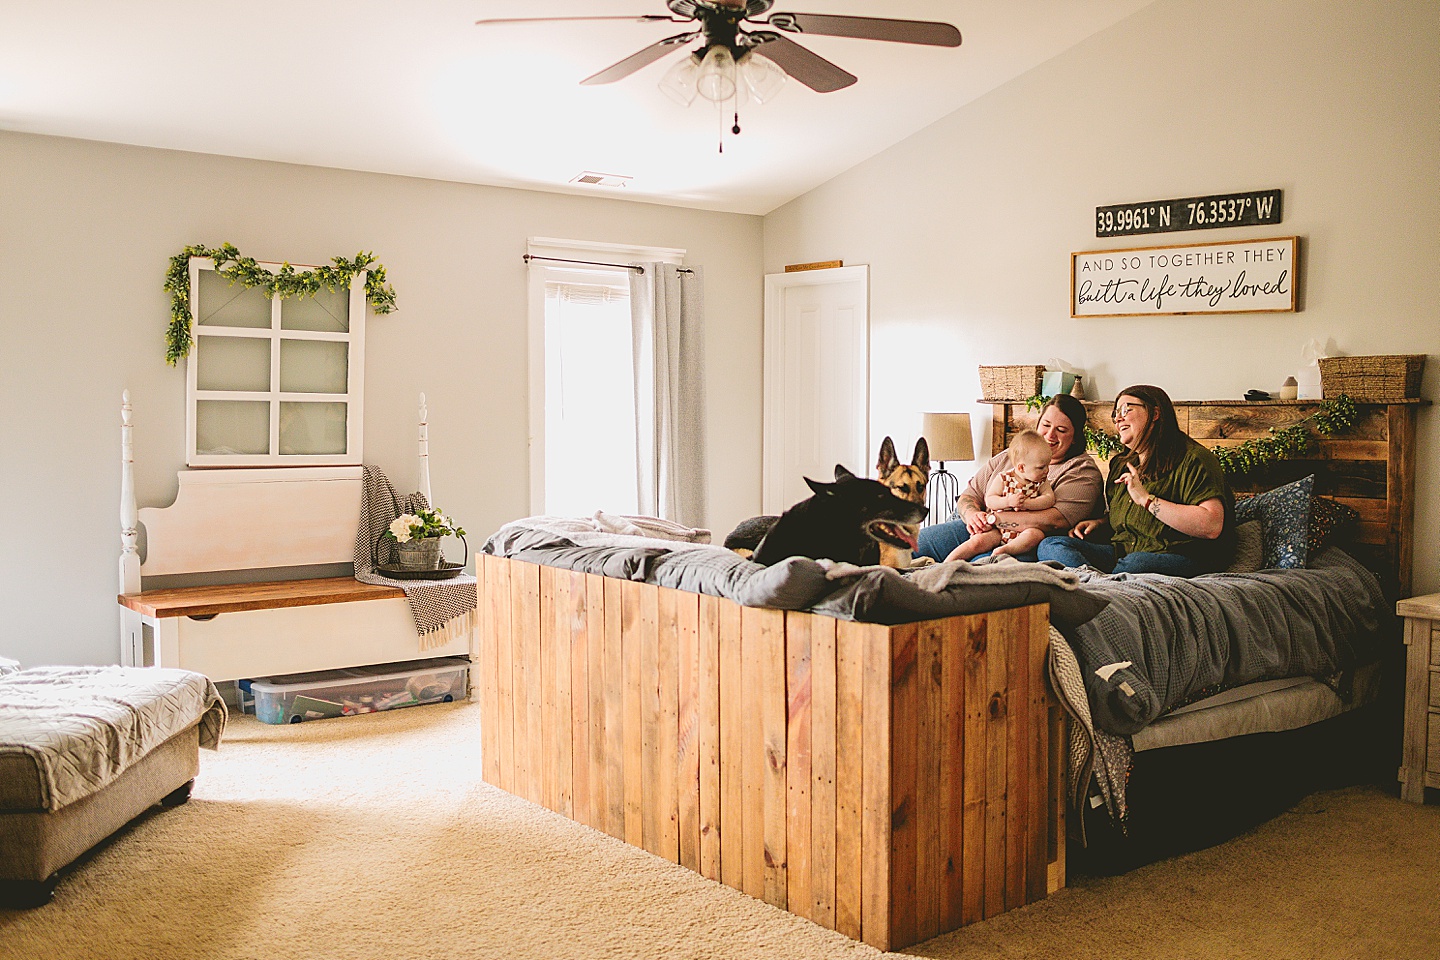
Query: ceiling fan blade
[
  {"x": 809, "y": 68},
  {"x": 638, "y": 18},
  {"x": 639, "y": 59},
  {"x": 928, "y": 32}
]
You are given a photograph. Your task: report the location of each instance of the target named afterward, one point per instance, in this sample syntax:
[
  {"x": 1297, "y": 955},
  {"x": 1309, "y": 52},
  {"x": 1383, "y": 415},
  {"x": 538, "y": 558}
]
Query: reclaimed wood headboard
[{"x": 1370, "y": 467}]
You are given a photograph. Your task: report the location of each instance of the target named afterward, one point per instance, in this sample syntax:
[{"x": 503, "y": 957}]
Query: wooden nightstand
[{"x": 1420, "y": 763}]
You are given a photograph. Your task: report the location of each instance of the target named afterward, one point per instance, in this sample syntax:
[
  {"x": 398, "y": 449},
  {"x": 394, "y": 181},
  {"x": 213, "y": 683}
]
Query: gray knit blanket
[{"x": 443, "y": 609}]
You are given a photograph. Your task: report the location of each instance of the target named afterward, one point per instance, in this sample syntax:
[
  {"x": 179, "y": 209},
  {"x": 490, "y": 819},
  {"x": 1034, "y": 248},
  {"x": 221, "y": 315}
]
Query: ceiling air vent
[{"x": 600, "y": 179}]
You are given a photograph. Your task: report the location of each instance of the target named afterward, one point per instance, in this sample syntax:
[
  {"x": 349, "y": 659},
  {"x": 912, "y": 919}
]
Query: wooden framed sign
[
  {"x": 1258, "y": 207},
  {"x": 1236, "y": 276}
]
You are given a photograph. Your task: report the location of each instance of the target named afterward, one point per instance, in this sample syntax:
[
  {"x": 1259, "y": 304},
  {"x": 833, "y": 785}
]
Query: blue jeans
[
  {"x": 1073, "y": 552},
  {"x": 938, "y": 540}
]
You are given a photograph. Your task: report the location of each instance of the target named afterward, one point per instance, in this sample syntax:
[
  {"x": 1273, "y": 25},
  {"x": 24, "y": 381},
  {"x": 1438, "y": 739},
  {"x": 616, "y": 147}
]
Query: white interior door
[{"x": 817, "y": 380}]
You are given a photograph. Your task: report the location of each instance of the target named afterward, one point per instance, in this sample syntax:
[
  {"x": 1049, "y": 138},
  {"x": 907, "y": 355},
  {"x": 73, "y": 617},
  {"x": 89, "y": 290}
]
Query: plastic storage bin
[{"x": 343, "y": 693}]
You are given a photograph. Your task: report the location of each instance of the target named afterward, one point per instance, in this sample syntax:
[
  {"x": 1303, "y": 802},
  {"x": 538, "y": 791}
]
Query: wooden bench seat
[
  {"x": 263, "y": 520},
  {"x": 209, "y": 601}
]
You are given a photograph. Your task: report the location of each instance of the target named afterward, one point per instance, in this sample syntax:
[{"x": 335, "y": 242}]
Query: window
[
  {"x": 273, "y": 381},
  {"x": 582, "y": 377},
  {"x": 589, "y": 394}
]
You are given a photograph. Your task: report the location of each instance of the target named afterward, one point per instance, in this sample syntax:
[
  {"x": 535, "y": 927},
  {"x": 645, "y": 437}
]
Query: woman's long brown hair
[{"x": 1163, "y": 444}]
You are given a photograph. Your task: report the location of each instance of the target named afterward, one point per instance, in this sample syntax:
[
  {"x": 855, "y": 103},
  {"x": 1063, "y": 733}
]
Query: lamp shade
[{"x": 948, "y": 436}]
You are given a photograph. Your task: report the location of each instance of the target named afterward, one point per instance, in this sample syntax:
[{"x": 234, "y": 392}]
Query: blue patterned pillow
[{"x": 1284, "y": 515}]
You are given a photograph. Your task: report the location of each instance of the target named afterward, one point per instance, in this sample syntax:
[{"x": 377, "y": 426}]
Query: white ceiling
[{"x": 412, "y": 87}]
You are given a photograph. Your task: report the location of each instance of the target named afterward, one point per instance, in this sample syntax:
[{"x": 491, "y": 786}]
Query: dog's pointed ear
[
  {"x": 888, "y": 461},
  {"x": 819, "y": 488},
  {"x": 842, "y": 474},
  {"x": 921, "y": 460}
]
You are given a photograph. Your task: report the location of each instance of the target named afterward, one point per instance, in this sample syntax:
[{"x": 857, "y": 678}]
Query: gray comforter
[
  {"x": 1145, "y": 643},
  {"x": 871, "y": 594},
  {"x": 1161, "y": 642}
]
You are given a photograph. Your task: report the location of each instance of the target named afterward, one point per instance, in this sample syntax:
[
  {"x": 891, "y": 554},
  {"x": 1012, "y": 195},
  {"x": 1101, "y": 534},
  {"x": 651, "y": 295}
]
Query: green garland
[
  {"x": 1286, "y": 443},
  {"x": 285, "y": 283},
  {"x": 1283, "y": 443}
]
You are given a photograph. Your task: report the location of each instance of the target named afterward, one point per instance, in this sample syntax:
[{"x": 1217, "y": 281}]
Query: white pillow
[{"x": 8, "y": 666}]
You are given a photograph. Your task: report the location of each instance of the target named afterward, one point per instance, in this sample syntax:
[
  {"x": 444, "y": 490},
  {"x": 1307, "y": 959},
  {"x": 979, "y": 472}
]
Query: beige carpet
[{"x": 374, "y": 837}]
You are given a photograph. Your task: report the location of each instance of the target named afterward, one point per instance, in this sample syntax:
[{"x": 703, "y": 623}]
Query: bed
[
  {"x": 84, "y": 750},
  {"x": 901, "y": 861},
  {"x": 1214, "y": 768}
]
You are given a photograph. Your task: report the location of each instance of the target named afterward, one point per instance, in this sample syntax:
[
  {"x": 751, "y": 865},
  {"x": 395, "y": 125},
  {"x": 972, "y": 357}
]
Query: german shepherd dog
[
  {"x": 908, "y": 482},
  {"x": 895, "y": 541},
  {"x": 846, "y": 521}
]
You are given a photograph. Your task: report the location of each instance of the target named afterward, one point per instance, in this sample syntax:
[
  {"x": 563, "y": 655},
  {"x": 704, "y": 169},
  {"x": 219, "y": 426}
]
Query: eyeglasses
[{"x": 1125, "y": 409}]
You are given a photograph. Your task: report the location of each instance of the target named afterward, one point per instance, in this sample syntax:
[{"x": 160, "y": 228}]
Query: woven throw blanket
[
  {"x": 443, "y": 609},
  {"x": 1099, "y": 762},
  {"x": 84, "y": 726}
]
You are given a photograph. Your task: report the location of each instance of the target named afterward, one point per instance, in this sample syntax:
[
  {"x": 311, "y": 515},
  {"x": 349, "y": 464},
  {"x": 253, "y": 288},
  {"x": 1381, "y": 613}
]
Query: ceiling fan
[{"x": 728, "y": 38}]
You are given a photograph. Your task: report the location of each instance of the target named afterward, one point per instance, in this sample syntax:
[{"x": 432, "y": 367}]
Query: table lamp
[{"x": 948, "y": 436}]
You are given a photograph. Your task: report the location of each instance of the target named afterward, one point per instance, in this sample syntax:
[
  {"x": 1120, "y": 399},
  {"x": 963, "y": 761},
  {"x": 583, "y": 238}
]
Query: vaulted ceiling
[{"x": 415, "y": 88}]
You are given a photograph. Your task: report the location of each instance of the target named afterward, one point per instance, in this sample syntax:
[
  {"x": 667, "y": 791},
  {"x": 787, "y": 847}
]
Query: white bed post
[
  {"x": 425, "y": 452},
  {"x": 131, "y": 629}
]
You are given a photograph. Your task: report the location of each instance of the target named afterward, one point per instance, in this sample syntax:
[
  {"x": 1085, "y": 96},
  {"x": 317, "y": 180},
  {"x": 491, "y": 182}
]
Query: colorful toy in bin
[{"x": 346, "y": 693}]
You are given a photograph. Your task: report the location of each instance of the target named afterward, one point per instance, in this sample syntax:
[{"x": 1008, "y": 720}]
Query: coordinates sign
[{"x": 1238, "y": 276}]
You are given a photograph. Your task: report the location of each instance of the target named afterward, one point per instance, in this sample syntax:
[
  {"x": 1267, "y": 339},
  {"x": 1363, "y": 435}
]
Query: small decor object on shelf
[
  {"x": 417, "y": 538},
  {"x": 1015, "y": 382},
  {"x": 1374, "y": 379},
  {"x": 1289, "y": 390}
]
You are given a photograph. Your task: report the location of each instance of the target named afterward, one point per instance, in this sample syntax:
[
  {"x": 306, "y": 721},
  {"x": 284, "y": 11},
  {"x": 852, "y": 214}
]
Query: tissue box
[{"x": 1055, "y": 382}]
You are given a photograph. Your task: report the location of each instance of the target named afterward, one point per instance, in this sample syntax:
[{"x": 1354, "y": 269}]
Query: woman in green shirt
[{"x": 1170, "y": 509}]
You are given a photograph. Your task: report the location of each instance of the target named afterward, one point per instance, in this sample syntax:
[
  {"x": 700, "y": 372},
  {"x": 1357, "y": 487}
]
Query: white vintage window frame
[{"x": 353, "y": 397}]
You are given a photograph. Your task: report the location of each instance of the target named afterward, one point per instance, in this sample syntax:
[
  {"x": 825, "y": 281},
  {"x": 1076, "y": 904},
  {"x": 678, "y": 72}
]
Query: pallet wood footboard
[{"x": 890, "y": 783}]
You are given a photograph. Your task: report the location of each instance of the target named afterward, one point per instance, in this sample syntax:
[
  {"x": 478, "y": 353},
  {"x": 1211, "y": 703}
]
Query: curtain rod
[{"x": 596, "y": 263}]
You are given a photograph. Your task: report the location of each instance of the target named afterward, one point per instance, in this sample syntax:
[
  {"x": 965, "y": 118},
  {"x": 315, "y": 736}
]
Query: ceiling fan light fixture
[
  {"x": 761, "y": 77},
  {"x": 679, "y": 81},
  {"x": 716, "y": 78}
]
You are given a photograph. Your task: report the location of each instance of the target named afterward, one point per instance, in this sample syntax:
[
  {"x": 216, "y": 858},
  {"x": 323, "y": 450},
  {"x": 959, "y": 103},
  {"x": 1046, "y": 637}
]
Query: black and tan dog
[
  {"x": 846, "y": 521},
  {"x": 908, "y": 481},
  {"x": 895, "y": 541}
]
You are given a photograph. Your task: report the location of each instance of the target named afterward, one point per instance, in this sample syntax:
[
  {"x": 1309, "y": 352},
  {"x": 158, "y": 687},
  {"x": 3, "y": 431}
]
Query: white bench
[{"x": 245, "y": 519}]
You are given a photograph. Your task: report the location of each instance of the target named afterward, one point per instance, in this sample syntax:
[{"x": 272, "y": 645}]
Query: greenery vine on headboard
[
  {"x": 284, "y": 283},
  {"x": 1282, "y": 443}
]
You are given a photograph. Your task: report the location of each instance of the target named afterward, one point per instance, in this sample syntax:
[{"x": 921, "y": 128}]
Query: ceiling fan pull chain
[{"x": 736, "y": 129}]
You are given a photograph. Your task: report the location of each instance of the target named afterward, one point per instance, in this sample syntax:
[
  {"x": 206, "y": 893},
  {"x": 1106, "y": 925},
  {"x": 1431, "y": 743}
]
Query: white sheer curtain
[{"x": 666, "y": 308}]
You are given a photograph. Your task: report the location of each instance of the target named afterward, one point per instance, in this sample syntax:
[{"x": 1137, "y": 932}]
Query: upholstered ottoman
[{"x": 83, "y": 750}]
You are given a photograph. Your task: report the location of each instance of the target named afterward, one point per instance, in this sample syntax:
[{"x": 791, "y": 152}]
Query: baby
[{"x": 1023, "y": 487}]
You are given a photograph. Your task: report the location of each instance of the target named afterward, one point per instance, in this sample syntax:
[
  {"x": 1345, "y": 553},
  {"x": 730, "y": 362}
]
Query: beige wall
[
  {"x": 86, "y": 230},
  {"x": 968, "y": 226}
]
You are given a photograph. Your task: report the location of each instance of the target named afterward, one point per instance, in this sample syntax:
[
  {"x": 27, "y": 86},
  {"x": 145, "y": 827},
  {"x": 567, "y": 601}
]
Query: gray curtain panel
[{"x": 666, "y": 305}]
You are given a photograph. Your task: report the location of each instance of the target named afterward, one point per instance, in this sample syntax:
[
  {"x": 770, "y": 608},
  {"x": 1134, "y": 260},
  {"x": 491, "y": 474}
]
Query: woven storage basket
[
  {"x": 1010, "y": 383},
  {"x": 1372, "y": 378}
]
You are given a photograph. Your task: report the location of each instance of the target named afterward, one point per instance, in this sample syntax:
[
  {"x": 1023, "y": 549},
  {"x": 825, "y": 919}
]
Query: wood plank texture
[
  {"x": 205, "y": 601},
  {"x": 849, "y": 783},
  {"x": 708, "y": 725},
  {"x": 888, "y": 782}
]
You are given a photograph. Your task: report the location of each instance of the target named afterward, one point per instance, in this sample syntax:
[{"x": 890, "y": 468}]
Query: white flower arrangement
[{"x": 422, "y": 525}]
